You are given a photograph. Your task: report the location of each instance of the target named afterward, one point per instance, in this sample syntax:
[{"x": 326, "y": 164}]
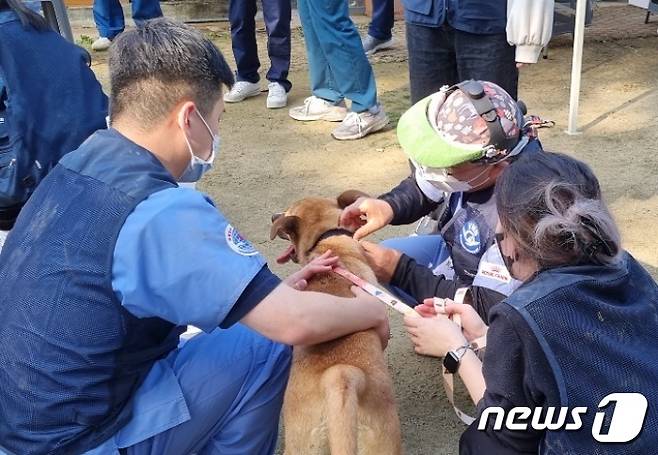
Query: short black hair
[
  {"x": 27, "y": 17},
  {"x": 157, "y": 65}
]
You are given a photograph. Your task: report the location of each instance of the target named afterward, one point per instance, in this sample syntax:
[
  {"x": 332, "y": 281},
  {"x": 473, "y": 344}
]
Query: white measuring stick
[{"x": 374, "y": 291}]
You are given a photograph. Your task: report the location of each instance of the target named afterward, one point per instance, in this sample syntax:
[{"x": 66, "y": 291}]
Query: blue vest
[
  {"x": 71, "y": 356},
  {"x": 468, "y": 227},
  {"x": 598, "y": 327},
  {"x": 483, "y": 17},
  {"x": 50, "y": 102}
]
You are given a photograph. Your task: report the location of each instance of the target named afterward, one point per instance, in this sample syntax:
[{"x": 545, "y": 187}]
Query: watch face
[{"x": 451, "y": 362}]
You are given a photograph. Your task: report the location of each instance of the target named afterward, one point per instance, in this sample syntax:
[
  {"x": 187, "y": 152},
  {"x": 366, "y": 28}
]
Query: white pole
[{"x": 576, "y": 65}]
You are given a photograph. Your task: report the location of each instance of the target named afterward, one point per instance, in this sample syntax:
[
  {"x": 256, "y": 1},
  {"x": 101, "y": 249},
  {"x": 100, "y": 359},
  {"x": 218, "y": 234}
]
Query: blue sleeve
[{"x": 178, "y": 258}]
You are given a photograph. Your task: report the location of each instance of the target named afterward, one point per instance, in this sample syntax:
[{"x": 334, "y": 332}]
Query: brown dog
[{"x": 340, "y": 397}]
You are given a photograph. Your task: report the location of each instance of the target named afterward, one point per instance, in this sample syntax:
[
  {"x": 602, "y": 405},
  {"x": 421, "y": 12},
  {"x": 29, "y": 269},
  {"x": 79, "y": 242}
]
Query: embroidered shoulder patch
[
  {"x": 238, "y": 243},
  {"x": 469, "y": 237}
]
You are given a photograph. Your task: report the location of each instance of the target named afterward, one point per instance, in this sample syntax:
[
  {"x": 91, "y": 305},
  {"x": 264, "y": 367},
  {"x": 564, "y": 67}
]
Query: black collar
[{"x": 331, "y": 233}]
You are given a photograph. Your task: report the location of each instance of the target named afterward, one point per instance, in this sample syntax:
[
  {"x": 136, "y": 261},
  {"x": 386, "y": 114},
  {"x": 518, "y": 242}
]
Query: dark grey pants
[{"x": 441, "y": 56}]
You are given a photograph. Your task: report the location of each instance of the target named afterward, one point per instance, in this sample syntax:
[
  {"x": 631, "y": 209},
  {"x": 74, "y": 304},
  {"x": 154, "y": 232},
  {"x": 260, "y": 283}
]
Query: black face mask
[{"x": 508, "y": 260}]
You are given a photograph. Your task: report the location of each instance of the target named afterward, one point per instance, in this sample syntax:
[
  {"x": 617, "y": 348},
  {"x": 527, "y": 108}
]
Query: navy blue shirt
[{"x": 50, "y": 102}]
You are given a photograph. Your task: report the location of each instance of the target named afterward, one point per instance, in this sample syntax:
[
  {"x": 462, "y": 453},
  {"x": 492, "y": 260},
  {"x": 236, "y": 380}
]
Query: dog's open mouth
[{"x": 287, "y": 255}]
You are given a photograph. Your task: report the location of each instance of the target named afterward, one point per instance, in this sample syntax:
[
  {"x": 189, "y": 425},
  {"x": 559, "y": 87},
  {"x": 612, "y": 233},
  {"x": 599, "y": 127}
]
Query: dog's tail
[{"x": 343, "y": 384}]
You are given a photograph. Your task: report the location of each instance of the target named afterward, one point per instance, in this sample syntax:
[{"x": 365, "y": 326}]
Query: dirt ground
[{"x": 269, "y": 160}]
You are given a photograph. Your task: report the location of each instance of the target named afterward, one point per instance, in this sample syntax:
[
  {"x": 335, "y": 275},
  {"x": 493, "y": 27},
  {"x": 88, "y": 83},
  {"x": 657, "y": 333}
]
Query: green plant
[{"x": 85, "y": 40}]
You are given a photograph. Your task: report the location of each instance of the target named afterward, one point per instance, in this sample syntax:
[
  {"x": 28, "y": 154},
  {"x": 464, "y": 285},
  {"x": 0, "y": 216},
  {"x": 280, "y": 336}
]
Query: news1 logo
[{"x": 626, "y": 422}]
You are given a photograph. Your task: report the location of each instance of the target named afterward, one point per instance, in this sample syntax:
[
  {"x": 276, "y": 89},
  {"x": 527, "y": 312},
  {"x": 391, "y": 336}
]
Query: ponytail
[
  {"x": 574, "y": 229},
  {"x": 551, "y": 205}
]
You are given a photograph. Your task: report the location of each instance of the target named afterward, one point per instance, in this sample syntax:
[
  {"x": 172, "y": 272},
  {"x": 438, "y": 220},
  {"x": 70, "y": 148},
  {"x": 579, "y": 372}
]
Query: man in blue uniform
[{"x": 109, "y": 261}]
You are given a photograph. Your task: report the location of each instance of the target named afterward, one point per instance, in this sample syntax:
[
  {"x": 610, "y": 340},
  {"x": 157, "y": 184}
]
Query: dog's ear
[
  {"x": 349, "y": 197},
  {"x": 285, "y": 225}
]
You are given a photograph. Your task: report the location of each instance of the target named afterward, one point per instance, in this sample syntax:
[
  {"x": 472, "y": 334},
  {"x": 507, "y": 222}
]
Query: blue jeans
[
  {"x": 108, "y": 15},
  {"x": 441, "y": 56},
  {"x": 383, "y": 17},
  {"x": 338, "y": 66},
  {"x": 427, "y": 250},
  {"x": 277, "y": 14}
]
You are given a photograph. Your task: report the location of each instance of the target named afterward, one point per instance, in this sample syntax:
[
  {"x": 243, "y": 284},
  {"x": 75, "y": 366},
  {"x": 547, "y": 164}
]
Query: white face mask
[
  {"x": 197, "y": 166},
  {"x": 441, "y": 180}
]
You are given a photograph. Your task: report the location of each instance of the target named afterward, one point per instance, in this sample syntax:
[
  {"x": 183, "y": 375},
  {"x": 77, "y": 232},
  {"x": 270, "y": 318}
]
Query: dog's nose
[{"x": 276, "y": 216}]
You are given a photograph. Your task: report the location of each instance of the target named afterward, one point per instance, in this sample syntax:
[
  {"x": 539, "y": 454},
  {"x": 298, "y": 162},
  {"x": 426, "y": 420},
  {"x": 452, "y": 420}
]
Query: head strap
[{"x": 485, "y": 108}]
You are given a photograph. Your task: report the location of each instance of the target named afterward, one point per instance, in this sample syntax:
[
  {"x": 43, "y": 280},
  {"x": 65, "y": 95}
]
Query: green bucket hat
[{"x": 456, "y": 125}]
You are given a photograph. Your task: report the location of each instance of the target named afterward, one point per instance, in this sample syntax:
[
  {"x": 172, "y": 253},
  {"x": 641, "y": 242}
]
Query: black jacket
[{"x": 409, "y": 204}]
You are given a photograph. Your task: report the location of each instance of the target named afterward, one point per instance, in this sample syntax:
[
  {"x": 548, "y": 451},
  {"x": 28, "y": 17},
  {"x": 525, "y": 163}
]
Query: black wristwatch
[{"x": 453, "y": 358}]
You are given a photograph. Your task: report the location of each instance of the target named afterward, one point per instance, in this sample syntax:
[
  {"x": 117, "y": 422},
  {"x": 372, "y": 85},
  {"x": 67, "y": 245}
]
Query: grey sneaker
[
  {"x": 101, "y": 44},
  {"x": 315, "y": 108},
  {"x": 242, "y": 90},
  {"x": 372, "y": 44},
  {"x": 358, "y": 125}
]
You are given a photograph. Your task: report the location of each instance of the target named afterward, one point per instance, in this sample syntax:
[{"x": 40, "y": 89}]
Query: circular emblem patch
[
  {"x": 238, "y": 243},
  {"x": 469, "y": 237}
]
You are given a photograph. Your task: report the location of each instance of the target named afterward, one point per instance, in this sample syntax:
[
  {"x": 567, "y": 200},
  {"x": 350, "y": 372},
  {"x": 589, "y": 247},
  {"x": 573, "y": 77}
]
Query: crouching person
[
  {"x": 50, "y": 102},
  {"x": 109, "y": 261},
  {"x": 581, "y": 327}
]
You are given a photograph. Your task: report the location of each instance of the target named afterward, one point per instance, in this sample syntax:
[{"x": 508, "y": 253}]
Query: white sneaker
[
  {"x": 3, "y": 237},
  {"x": 101, "y": 44},
  {"x": 358, "y": 125},
  {"x": 315, "y": 108},
  {"x": 277, "y": 97},
  {"x": 242, "y": 90}
]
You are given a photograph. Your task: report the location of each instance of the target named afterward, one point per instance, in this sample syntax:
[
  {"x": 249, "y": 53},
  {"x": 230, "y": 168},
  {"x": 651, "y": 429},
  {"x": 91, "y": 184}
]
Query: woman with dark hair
[
  {"x": 582, "y": 326},
  {"x": 50, "y": 102}
]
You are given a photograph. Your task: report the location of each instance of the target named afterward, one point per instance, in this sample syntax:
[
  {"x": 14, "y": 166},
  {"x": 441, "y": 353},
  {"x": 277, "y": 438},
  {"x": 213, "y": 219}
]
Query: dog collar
[{"x": 331, "y": 233}]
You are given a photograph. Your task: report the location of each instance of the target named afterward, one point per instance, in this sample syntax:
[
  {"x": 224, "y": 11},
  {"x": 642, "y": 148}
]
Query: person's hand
[
  {"x": 426, "y": 309},
  {"x": 520, "y": 65},
  {"x": 433, "y": 336},
  {"x": 473, "y": 326},
  {"x": 377, "y": 213},
  {"x": 382, "y": 328},
  {"x": 324, "y": 263},
  {"x": 382, "y": 260}
]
